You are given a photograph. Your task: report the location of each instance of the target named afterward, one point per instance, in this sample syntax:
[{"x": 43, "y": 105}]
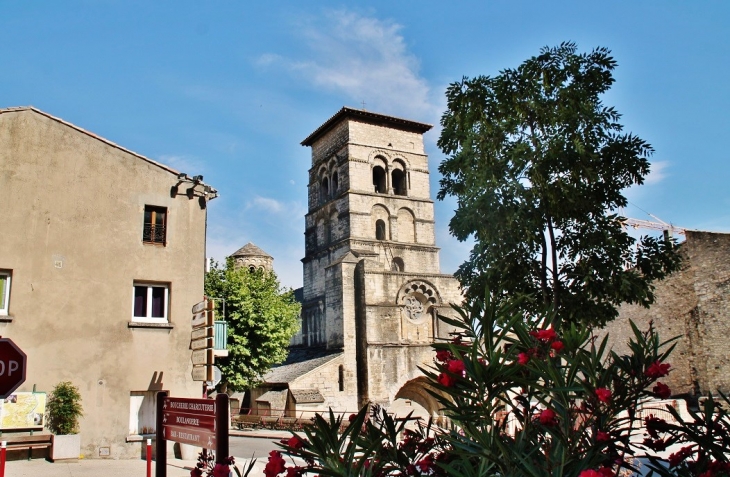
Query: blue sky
[{"x": 229, "y": 89}]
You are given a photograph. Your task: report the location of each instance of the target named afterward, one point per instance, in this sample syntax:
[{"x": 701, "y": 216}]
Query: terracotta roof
[
  {"x": 250, "y": 250},
  {"x": 299, "y": 362},
  {"x": 90, "y": 134},
  {"x": 365, "y": 117}
]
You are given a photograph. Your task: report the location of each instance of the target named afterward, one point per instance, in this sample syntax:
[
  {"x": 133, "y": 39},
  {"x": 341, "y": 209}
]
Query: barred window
[{"x": 155, "y": 225}]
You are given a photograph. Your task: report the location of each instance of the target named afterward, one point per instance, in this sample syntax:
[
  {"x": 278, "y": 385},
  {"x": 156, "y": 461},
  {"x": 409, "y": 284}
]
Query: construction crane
[{"x": 668, "y": 229}]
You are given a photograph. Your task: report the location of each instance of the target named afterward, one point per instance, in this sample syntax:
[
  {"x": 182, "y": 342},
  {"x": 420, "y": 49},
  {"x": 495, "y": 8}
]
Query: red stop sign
[{"x": 12, "y": 367}]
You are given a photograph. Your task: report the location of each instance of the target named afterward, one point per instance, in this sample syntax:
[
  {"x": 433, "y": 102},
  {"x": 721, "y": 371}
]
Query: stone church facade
[{"x": 372, "y": 283}]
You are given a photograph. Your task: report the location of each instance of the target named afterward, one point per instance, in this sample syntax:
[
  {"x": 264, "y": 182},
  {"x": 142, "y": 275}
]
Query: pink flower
[
  {"x": 603, "y": 395},
  {"x": 662, "y": 390},
  {"x": 276, "y": 464},
  {"x": 523, "y": 358},
  {"x": 456, "y": 366},
  {"x": 548, "y": 417},
  {"x": 657, "y": 370},
  {"x": 557, "y": 346},
  {"x": 446, "y": 380}
]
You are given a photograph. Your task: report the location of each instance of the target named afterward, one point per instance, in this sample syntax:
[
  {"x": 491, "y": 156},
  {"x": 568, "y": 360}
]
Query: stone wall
[{"x": 694, "y": 305}]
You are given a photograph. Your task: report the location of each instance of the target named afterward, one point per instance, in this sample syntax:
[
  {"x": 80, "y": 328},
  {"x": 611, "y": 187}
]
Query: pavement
[{"x": 130, "y": 467}]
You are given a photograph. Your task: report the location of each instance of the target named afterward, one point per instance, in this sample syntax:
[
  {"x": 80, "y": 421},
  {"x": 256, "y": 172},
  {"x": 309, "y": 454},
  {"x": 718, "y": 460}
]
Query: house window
[
  {"x": 155, "y": 225},
  {"x": 150, "y": 302},
  {"x": 4, "y": 292}
]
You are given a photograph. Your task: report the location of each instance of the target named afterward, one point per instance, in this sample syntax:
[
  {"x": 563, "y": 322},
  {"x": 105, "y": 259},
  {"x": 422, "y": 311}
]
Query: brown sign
[
  {"x": 202, "y": 343},
  {"x": 202, "y": 356},
  {"x": 197, "y": 421},
  {"x": 203, "y": 373},
  {"x": 195, "y": 437},
  {"x": 201, "y": 407},
  {"x": 202, "y": 333},
  {"x": 200, "y": 306},
  {"x": 204, "y": 318}
]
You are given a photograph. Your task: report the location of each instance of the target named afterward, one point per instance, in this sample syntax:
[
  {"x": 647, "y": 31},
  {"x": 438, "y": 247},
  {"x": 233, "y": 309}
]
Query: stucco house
[{"x": 101, "y": 258}]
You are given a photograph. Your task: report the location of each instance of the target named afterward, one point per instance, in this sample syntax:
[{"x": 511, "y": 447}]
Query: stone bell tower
[{"x": 372, "y": 283}]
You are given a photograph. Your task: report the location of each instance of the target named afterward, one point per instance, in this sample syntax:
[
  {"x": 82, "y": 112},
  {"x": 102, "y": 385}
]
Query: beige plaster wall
[{"x": 72, "y": 237}]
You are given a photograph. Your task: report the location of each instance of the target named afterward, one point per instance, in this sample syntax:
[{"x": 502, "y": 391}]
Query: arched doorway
[{"x": 414, "y": 397}]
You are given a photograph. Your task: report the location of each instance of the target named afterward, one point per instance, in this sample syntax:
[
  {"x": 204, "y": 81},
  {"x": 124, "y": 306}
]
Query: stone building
[
  {"x": 693, "y": 304},
  {"x": 372, "y": 282},
  {"x": 101, "y": 258},
  {"x": 253, "y": 258}
]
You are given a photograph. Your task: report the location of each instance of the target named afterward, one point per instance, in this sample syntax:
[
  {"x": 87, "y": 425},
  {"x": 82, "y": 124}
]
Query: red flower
[
  {"x": 557, "y": 346},
  {"x": 603, "y": 395},
  {"x": 352, "y": 417},
  {"x": 221, "y": 470},
  {"x": 196, "y": 472},
  {"x": 446, "y": 380},
  {"x": 523, "y": 358},
  {"x": 275, "y": 465},
  {"x": 548, "y": 417},
  {"x": 677, "y": 458},
  {"x": 602, "y": 436},
  {"x": 426, "y": 463},
  {"x": 544, "y": 335},
  {"x": 456, "y": 366},
  {"x": 662, "y": 390},
  {"x": 602, "y": 472},
  {"x": 657, "y": 370},
  {"x": 589, "y": 473},
  {"x": 294, "y": 471},
  {"x": 444, "y": 355},
  {"x": 295, "y": 442}
]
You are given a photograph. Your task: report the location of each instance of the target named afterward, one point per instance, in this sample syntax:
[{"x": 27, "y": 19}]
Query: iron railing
[{"x": 153, "y": 233}]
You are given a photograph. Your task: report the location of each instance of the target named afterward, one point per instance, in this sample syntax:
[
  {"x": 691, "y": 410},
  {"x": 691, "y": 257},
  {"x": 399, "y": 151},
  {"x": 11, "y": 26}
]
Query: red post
[
  {"x": 3, "y": 450},
  {"x": 149, "y": 458}
]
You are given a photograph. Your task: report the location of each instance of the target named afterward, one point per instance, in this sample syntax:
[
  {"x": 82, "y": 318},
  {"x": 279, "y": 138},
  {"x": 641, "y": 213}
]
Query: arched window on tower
[
  {"x": 398, "y": 179},
  {"x": 379, "y": 183},
  {"x": 380, "y": 230},
  {"x": 324, "y": 191},
  {"x": 335, "y": 183},
  {"x": 397, "y": 265}
]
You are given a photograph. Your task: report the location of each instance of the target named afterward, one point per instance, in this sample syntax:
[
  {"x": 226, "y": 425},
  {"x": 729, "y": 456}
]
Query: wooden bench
[
  {"x": 246, "y": 420},
  {"x": 36, "y": 441}
]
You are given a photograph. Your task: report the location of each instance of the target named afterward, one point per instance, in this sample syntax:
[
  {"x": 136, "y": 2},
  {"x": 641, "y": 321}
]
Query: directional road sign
[{"x": 190, "y": 421}]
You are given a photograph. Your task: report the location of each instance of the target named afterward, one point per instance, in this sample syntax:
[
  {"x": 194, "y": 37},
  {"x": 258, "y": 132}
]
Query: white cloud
[
  {"x": 657, "y": 173},
  {"x": 186, "y": 164},
  {"x": 266, "y": 204},
  {"x": 364, "y": 58}
]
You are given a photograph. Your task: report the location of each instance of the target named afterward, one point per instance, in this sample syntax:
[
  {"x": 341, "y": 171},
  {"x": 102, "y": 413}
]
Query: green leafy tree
[
  {"x": 537, "y": 164},
  {"x": 261, "y": 316}
]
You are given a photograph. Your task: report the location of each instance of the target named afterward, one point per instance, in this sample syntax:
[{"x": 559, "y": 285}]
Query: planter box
[{"x": 66, "y": 448}]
